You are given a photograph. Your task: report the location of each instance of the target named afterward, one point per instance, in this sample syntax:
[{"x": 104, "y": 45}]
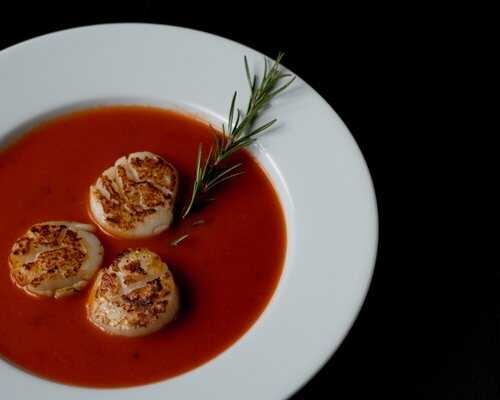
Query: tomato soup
[{"x": 227, "y": 269}]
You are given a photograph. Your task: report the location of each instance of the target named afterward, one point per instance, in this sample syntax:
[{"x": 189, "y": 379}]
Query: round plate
[{"x": 314, "y": 162}]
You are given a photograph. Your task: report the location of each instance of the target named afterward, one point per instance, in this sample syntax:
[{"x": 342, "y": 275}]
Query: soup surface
[{"x": 227, "y": 269}]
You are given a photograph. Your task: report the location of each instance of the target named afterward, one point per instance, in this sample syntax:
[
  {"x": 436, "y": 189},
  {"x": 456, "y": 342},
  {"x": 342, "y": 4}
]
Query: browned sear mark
[
  {"x": 135, "y": 201},
  {"x": 61, "y": 253}
]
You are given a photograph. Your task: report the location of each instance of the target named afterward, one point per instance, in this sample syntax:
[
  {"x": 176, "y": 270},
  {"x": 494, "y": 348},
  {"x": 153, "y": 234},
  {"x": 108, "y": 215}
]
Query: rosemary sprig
[{"x": 239, "y": 133}]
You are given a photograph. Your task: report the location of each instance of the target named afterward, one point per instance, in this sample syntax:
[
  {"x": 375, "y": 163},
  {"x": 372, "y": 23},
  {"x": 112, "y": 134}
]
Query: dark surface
[{"x": 429, "y": 327}]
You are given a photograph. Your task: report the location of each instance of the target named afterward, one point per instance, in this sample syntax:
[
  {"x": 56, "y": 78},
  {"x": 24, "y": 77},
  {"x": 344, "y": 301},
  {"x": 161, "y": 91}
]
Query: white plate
[{"x": 318, "y": 170}]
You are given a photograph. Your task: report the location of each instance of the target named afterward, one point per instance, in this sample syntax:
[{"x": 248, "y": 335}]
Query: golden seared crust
[
  {"x": 136, "y": 196},
  {"x": 157, "y": 170},
  {"x": 134, "y": 296},
  {"x": 63, "y": 261},
  {"x": 126, "y": 208},
  {"x": 53, "y": 257}
]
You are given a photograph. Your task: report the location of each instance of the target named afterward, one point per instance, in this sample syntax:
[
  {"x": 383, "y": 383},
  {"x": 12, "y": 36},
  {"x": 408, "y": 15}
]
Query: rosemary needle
[
  {"x": 239, "y": 133},
  {"x": 176, "y": 242}
]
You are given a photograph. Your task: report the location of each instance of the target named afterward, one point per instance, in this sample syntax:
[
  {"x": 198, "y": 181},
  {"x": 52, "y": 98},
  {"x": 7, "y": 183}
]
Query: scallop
[
  {"x": 55, "y": 258},
  {"x": 134, "y": 296},
  {"x": 135, "y": 198}
]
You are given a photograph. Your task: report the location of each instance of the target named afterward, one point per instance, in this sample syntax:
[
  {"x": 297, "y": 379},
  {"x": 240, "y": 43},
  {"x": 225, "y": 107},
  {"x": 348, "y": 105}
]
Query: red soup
[{"x": 227, "y": 269}]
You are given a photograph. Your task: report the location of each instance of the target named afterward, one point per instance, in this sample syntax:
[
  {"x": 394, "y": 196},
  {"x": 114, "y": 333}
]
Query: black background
[{"x": 430, "y": 325}]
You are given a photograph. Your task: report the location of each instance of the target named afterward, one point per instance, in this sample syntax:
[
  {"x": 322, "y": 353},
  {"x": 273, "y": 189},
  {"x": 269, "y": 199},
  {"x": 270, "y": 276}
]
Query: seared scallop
[
  {"x": 135, "y": 197},
  {"x": 134, "y": 296},
  {"x": 55, "y": 258}
]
